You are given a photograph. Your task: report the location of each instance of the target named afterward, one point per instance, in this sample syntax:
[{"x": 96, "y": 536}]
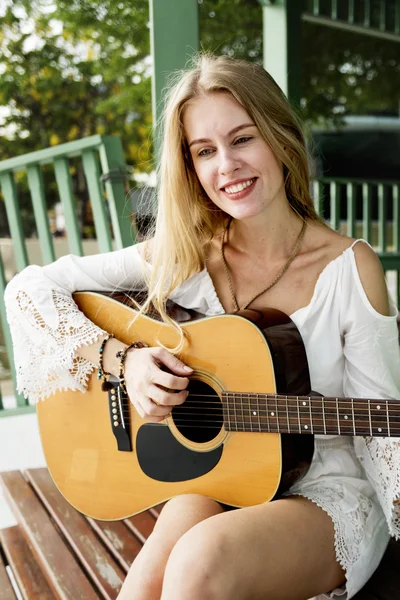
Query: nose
[{"x": 228, "y": 162}]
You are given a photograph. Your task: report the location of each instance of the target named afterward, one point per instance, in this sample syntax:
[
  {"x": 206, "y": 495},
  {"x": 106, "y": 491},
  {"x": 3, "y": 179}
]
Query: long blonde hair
[{"x": 186, "y": 218}]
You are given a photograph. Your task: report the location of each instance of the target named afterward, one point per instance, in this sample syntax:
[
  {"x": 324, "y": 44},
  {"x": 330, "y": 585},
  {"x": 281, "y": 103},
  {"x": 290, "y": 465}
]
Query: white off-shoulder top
[{"x": 352, "y": 350}]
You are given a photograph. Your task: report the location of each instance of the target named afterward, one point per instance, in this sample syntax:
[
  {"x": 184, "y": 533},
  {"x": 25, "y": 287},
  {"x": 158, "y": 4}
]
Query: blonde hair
[{"x": 186, "y": 218}]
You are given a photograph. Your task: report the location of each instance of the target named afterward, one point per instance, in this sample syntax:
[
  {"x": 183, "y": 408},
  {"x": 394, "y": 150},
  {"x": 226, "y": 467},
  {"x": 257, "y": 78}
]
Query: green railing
[
  {"x": 104, "y": 168},
  {"x": 377, "y": 18},
  {"x": 367, "y": 209}
]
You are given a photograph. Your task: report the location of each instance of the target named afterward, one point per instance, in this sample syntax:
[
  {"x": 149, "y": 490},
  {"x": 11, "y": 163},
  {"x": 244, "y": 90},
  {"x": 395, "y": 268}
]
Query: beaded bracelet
[
  {"x": 101, "y": 373},
  {"x": 122, "y": 354}
]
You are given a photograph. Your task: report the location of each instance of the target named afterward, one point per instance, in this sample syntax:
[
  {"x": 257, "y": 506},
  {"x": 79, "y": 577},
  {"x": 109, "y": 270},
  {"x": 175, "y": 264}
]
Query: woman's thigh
[
  {"x": 145, "y": 578},
  {"x": 283, "y": 550}
]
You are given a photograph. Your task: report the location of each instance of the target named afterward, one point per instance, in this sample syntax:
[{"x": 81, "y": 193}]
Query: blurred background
[{"x": 74, "y": 69}]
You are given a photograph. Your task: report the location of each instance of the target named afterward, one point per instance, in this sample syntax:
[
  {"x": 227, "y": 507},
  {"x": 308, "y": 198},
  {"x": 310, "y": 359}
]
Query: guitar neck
[{"x": 311, "y": 415}]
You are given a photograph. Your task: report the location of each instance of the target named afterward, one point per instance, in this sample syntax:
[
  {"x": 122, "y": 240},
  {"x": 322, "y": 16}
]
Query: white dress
[{"x": 352, "y": 351}]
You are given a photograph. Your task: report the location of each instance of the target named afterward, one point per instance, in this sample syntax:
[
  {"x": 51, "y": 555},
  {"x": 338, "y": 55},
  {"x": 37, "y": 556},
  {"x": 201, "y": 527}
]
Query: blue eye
[
  {"x": 242, "y": 140},
  {"x": 205, "y": 152}
]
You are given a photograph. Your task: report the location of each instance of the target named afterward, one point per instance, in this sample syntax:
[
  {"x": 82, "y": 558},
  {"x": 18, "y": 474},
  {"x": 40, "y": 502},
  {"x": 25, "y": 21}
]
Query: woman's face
[{"x": 234, "y": 164}]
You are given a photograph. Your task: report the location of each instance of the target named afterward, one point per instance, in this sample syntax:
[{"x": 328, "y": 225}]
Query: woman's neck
[{"x": 269, "y": 238}]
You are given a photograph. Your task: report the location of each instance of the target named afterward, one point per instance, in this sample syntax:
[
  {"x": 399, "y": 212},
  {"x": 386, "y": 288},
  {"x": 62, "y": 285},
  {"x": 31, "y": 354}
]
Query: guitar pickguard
[{"x": 163, "y": 458}]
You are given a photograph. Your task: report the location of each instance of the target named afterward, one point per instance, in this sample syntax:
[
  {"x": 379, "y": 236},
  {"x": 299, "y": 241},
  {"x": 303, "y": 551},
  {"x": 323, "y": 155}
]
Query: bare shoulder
[
  {"x": 372, "y": 277},
  {"x": 332, "y": 244}
]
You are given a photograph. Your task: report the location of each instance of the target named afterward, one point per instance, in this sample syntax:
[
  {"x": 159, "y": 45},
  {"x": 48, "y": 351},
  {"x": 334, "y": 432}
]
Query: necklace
[{"x": 270, "y": 285}]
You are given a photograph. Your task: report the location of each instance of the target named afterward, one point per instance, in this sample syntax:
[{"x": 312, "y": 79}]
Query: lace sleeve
[
  {"x": 46, "y": 325},
  {"x": 372, "y": 370}
]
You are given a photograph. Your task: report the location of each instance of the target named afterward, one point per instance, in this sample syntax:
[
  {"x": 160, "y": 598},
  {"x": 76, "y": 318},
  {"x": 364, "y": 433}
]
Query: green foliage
[
  {"x": 232, "y": 27},
  {"x": 82, "y": 70},
  {"x": 344, "y": 73},
  {"x": 74, "y": 68}
]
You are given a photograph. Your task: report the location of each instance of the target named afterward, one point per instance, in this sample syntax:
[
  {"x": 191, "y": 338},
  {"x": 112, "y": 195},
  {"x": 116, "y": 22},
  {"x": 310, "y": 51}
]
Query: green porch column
[
  {"x": 282, "y": 44},
  {"x": 174, "y": 38}
]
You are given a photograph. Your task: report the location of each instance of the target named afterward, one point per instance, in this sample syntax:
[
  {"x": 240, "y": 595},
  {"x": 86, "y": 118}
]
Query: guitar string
[
  {"x": 361, "y": 411},
  {"x": 394, "y": 432},
  {"x": 261, "y": 397},
  {"x": 268, "y": 411},
  {"x": 282, "y": 414},
  {"x": 393, "y": 427}
]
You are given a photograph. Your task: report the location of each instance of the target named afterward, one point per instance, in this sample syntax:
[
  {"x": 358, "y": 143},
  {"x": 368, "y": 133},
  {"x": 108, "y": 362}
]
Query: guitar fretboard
[{"x": 313, "y": 415}]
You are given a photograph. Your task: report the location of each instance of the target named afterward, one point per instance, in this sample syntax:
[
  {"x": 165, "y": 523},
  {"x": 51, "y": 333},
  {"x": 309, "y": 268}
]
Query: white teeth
[{"x": 234, "y": 189}]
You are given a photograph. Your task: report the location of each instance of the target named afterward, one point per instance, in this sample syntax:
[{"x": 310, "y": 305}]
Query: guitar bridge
[{"x": 118, "y": 403}]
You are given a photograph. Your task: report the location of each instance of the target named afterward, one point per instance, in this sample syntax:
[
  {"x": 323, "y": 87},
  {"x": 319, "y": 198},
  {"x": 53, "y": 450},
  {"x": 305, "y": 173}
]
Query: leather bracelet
[
  {"x": 122, "y": 354},
  {"x": 101, "y": 373}
]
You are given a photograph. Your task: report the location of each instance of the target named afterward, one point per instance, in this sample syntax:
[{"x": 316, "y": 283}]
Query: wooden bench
[{"x": 55, "y": 553}]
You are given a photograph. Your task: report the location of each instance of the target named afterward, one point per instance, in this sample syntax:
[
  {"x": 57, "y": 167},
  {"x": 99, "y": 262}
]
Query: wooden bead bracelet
[{"x": 122, "y": 354}]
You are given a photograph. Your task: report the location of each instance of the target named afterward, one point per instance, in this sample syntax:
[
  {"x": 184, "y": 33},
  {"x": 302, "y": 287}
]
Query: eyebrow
[{"x": 231, "y": 132}]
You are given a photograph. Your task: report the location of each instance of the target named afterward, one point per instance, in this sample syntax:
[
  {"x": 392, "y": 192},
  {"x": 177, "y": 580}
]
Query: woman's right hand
[{"x": 156, "y": 381}]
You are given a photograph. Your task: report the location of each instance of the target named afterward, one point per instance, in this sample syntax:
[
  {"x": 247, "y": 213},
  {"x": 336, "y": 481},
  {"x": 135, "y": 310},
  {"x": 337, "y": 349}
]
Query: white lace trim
[
  {"x": 349, "y": 532},
  {"x": 44, "y": 354},
  {"x": 380, "y": 458}
]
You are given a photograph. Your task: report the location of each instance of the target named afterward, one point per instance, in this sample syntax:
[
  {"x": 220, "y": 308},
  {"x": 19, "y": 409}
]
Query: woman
[{"x": 236, "y": 227}]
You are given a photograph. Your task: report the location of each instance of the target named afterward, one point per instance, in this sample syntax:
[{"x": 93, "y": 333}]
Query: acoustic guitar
[{"x": 244, "y": 434}]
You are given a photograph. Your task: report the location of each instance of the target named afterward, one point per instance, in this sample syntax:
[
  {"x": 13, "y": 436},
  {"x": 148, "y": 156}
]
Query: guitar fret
[
  {"x": 241, "y": 409},
  {"x": 311, "y": 419},
  {"x": 226, "y": 405},
  {"x": 337, "y": 413},
  {"x": 345, "y": 420},
  {"x": 298, "y": 413},
  {"x": 323, "y": 413},
  {"x": 278, "y": 424},
  {"x": 380, "y": 419},
  {"x": 287, "y": 414},
  {"x": 258, "y": 413},
  {"x": 250, "y": 414},
  {"x": 387, "y": 418},
  {"x": 352, "y": 410},
  {"x": 267, "y": 414},
  {"x": 369, "y": 414},
  {"x": 234, "y": 408},
  {"x": 273, "y": 421}
]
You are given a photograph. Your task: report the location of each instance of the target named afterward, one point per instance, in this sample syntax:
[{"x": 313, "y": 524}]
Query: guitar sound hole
[{"x": 200, "y": 417}]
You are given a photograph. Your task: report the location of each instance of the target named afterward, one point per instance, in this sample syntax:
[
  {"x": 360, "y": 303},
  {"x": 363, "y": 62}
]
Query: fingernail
[{"x": 186, "y": 368}]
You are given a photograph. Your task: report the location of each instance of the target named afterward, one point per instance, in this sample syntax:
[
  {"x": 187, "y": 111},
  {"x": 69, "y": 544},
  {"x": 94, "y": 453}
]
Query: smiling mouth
[{"x": 239, "y": 187}]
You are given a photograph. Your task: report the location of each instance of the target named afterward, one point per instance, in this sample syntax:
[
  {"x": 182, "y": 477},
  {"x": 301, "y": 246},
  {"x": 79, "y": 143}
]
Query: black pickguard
[{"x": 163, "y": 458}]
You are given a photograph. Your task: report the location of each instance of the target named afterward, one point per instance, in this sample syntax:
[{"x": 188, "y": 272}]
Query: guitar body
[{"x": 178, "y": 456}]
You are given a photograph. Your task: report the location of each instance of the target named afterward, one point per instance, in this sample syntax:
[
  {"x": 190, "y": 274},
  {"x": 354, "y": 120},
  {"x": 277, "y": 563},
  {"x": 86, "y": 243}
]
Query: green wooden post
[
  {"x": 64, "y": 184},
  {"x": 36, "y": 187},
  {"x": 335, "y": 204},
  {"x": 174, "y": 39},
  {"x": 113, "y": 166},
  {"x": 367, "y": 214},
  {"x": 282, "y": 44},
  {"x": 91, "y": 168},
  {"x": 382, "y": 216},
  {"x": 14, "y": 219},
  {"x": 7, "y": 337},
  {"x": 351, "y": 190}
]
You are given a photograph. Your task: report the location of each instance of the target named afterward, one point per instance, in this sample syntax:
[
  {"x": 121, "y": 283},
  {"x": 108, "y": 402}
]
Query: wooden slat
[
  {"x": 119, "y": 540},
  {"x": 28, "y": 575},
  {"x": 141, "y": 525},
  {"x": 58, "y": 564},
  {"x": 64, "y": 184},
  {"x": 6, "y": 589},
  {"x": 94, "y": 557},
  {"x": 155, "y": 511}
]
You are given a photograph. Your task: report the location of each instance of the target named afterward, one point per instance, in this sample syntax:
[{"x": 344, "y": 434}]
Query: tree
[
  {"x": 71, "y": 70},
  {"x": 232, "y": 27}
]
